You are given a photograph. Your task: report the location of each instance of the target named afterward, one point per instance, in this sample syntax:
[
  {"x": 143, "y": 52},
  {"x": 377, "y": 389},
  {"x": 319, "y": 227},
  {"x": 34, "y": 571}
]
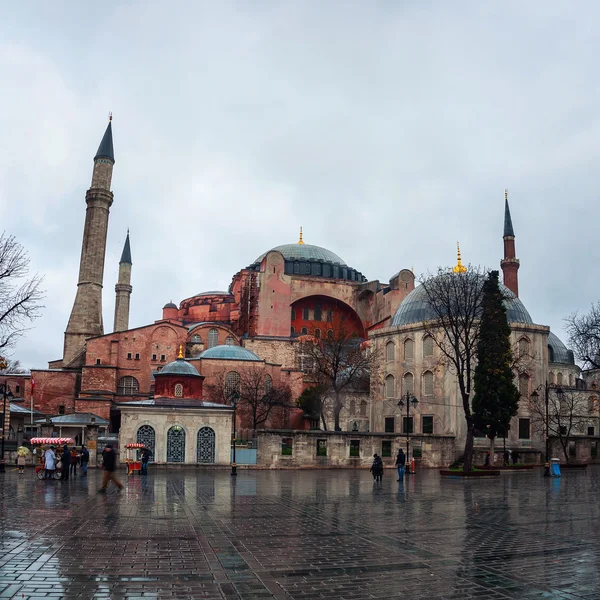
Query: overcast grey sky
[{"x": 387, "y": 129}]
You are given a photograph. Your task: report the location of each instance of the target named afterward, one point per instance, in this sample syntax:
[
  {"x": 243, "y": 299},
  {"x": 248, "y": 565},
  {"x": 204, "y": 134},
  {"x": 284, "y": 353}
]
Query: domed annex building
[{"x": 169, "y": 383}]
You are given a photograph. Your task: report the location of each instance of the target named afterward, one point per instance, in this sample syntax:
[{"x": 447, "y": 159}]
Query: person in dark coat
[
  {"x": 145, "y": 460},
  {"x": 109, "y": 464},
  {"x": 506, "y": 458},
  {"x": 66, "y": 462},
  {"x": 515, "y": 457},
  {"x": 377, "y": 468},
  {"x": 400, "y": 463},
  {"x": 85, "y": 459}
]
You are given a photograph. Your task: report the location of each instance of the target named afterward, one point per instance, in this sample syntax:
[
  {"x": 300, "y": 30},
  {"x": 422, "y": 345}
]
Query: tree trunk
[
  {"x": 564, "y": 447},
  {"x": 337, "y": 409},
  {"x": 324, "y": 421},
  {"x": 468, "y": 464},
  {"x": 492, "y": 450}
]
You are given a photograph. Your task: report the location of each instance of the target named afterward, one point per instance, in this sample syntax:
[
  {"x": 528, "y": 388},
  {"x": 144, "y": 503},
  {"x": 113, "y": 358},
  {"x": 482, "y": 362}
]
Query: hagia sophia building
[{"x": 172, "y": 364}]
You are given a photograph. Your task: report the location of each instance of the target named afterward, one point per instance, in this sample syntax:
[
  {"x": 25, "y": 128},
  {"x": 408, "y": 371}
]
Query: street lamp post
[
  {"x": 535, "y": 395},
  {"x": 234, "y": 402},
  {"x": 408, "y": 401},
  {"x": 6, "y": 393}
]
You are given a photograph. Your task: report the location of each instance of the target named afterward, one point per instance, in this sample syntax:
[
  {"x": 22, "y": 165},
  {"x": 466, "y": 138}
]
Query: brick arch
[{"x": 324, "y": 303}]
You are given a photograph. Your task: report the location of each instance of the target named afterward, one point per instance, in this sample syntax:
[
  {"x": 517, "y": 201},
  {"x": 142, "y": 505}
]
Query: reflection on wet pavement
[{"x": 301, "y": 534}]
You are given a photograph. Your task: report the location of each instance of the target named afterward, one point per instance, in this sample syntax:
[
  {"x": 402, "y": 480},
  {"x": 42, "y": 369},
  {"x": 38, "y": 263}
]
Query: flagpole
[{"x": 31, "y": 413}]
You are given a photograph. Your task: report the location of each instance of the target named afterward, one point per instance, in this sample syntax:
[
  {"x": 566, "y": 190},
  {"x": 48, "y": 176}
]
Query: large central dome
[
  {"x": 415, "y": 308},
  {"x": 305, "y": 252}
]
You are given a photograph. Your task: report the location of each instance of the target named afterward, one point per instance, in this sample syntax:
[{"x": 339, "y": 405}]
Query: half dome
[
  {"x": 229, "y": 353},
  {"x": 415, "y": 308},
  {"x": 558, "y": 352}
]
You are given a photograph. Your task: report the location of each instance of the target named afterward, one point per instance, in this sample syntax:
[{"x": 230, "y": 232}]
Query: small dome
[
  {"x": 304, "y": 252},
  {"x": 179, "y": 367},
  {"x": 229, "y": 353},
  {"x": 415, "y": 308},
  {"x": 169, "y": 305},
  {"x": 558, "y": 352}
]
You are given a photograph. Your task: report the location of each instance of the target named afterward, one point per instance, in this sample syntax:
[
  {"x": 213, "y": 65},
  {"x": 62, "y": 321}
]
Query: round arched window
[{"x": 178, "y": 390}]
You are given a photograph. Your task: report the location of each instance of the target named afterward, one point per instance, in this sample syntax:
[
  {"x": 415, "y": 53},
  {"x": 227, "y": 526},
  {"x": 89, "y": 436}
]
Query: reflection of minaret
[
  {"x": 123, "y": 289},
  {"x": 510, "y": 263},
  {"x": 86, "y": 317}
]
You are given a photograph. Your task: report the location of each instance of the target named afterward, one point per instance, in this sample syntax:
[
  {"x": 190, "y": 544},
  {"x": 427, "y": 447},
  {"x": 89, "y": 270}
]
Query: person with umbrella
[{"x": 22, "y": 453}]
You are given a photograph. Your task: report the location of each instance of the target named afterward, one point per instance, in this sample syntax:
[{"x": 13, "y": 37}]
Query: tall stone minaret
[
  {"x": 123, "y": 289},
  {"x": 86, "y": 317},
  {"x": 510, "y": 263}
]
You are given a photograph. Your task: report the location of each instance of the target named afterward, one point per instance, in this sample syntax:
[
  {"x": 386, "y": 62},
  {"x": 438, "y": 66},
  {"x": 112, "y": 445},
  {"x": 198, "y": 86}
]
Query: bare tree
[
  {"x": 568, "y": 412},
  {"x": 455, "y": 299},
  {"x": 12, "y": 367},
  {"x": 338, "y": 360},
  {"x": 20, "y": 295},
  {"x": 259, "y": 397},
  {"x": 584, "y": 336}
]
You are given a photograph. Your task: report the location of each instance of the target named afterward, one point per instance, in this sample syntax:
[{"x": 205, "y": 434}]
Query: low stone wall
[{"x": 284, "y": 449}]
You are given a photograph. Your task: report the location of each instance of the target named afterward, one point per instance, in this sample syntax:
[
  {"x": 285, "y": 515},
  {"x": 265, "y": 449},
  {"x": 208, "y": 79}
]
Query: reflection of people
[
  {"x": 109, "y": 462},
  {"x": 145, "y": 460},
  {"x": 400, "y": 463},
  {"x": 50, "y": 462},
  {"x": 85, "y": 459}
]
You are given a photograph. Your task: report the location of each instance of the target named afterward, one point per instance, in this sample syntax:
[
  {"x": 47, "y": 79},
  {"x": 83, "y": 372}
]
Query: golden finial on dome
[
  {"x": 300, "y": 240},
  {"x": 180, "y": 351},
  {"x": 459, "y": 268}
]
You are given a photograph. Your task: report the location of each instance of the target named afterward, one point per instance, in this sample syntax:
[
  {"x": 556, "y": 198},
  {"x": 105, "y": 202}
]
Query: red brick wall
[
  {"x": 53, "y": 389},
  {"x": 165, "y": 386},
  {"x": 99, "y": 378},
  {"x": 97, "y": 407}
]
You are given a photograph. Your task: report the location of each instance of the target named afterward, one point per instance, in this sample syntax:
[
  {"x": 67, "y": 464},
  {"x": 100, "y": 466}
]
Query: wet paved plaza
[{"x": 307, "y": 534}]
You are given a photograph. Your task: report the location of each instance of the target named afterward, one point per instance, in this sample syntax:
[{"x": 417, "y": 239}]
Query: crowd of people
[{"x": 66, "y": 459}]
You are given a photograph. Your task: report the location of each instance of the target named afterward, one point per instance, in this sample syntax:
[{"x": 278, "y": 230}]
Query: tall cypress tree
[{"x": 496, "y": 398}]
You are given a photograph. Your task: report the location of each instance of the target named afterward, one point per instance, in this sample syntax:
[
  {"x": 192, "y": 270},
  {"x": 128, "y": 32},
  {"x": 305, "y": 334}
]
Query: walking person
[
  {"x": 49, "y": 462},
  {"x": 21, "y": 463},
  {"x": 400, "y": 463},
  {"x": 506, "y": 458},
  {"x": 377, "y": 468},
  {"x": 84, "y": 460},
  {"x": 515, "y": 457},
  {"x": 145, "y": 460},
  {"x": 109, "y": 464},
  {"x": 65, "y": 462},
  {"x": 73, "y": 459}
]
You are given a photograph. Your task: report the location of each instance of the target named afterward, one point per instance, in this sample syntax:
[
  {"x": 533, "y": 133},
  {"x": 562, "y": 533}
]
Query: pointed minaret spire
[
  {"x": 123, "y": 289},
  {"x": 510, "y": 263},
  {"x": 105, "y": 149}
]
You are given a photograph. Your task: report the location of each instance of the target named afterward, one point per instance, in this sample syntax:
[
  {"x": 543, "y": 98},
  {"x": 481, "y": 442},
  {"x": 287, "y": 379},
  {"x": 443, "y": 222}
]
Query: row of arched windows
[
  {"x": 362, "y": 408},
  {"x": 408, "y": 384},
  {"x": 408, "y": 347},
  {"x": 560, "y": 379},
  {"x": 176, "y": 436},
  {"x": 213, "y": 339}
]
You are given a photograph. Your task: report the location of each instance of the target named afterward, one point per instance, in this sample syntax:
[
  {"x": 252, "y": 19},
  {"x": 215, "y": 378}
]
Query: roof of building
[
  {"x": 82, "y": 418},
  {"x": 415, "y": 308},
  {"x": 558, "y": 352},
  {"x": 213, "y": 293},
  {"x": 304, "y": 252},
  {"x": 18, "y": 409},
  {"x": 175, "y": 403},
  {"x": 508, "y": 226},
  {"x": 229, "y": 353},
  {"x": 179, "y": 367},
  {"x": 105, "y": 149},
  {"x": 170, "y": 305},
  {"x": 126, "y": 255}
]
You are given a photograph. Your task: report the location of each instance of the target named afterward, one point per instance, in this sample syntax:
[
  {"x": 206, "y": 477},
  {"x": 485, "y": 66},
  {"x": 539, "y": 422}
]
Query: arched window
[
  {"x": 205, "y": 445},
  {"x": 196, "y": 339},
  {"x": 318, "y": 334},
  {"x": 524, "y": 385},
  {"x": 178, "y": 390},
  {"x": 389, "y": 386},
  {"x": 363, "y": 408},
  {"x": 232, "y": 383},
  {"x": 390, "y": 351},
  {"x": 409, "y": 349},
  {"x": 304, "y": 331},
  {"x": 213, "y": 338},
  {"x": 147, "y": 436},
  {"x": 268, "y": 384},
  {"x": 230, "y": 341},
  {"x": 559, "y": 379},
  {"x": 551, "y": 378},
  {"x": 427, "y": 346},
  {"x": 293, "y": 330},
  {"x": 352, "y": 407},
  {"x": 523, "y": 347},
  {"x": 408, "y": 383},
  {"x": 176, "y": 444},
  {"x": 330, "y": 334},
  {"x": 428, "y": 383},
  {"x": 293, "y": 314},
  {"x": 128, "y": 385}
]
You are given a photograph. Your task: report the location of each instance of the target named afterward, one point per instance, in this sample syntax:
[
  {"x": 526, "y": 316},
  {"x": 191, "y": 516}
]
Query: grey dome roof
[
  {"x": 170, "y": 305},
  {"x": 558, "y": 352},
  {"x": 229, "y": 353},
  {"x": 304, "y": 252},
  {"x": 179, "y": 367},
  {"x": 415, "y": 308}
]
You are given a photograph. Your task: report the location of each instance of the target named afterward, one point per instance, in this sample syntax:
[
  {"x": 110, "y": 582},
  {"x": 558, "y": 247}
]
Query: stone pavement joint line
[{"x": 301, "y": 535}]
